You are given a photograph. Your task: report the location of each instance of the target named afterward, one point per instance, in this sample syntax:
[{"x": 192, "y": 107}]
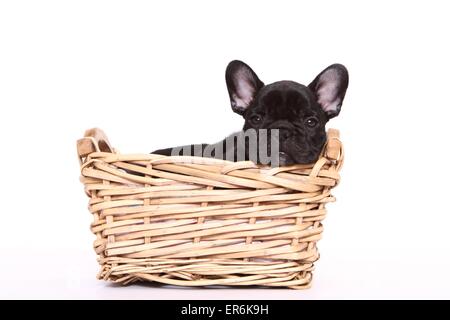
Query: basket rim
[{"x": 96, "y": 144}]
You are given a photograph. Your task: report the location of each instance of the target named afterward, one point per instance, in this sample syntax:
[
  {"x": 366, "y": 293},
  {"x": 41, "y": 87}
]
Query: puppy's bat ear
[
  {"x": 243, "y": 84},
  {"x": 330, "y": 87}
]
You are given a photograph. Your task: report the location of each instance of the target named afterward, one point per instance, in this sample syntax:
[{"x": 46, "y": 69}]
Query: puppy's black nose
[{"x": 285, "y": 134}]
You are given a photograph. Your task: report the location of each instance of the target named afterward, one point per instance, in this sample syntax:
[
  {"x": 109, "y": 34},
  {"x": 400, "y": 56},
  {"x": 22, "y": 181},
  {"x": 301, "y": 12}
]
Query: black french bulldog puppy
[{"x": 298, "y": 112}]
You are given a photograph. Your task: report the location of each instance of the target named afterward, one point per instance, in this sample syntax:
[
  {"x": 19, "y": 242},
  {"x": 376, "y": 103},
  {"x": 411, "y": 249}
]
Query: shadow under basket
[{"x": 193, "y": 221}]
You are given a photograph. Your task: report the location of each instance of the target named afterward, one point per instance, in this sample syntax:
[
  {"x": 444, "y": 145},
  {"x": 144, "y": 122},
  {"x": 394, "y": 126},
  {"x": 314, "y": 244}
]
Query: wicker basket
[{"x": 194, "y": 221}]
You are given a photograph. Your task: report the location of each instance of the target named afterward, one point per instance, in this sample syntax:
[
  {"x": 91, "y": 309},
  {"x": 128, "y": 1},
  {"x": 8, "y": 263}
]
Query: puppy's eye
[
  {"x": 311, "y": 122},
  {"x": 256, "y": 119}
]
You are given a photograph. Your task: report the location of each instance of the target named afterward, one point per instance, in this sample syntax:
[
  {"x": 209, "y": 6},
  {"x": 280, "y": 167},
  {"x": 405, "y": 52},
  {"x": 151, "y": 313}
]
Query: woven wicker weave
[{"x": 196, "y": 221}]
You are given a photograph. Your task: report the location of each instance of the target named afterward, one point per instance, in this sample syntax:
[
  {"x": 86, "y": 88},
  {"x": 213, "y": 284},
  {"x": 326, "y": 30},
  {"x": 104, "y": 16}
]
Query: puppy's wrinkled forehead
[{"x": 285, "y": 97}]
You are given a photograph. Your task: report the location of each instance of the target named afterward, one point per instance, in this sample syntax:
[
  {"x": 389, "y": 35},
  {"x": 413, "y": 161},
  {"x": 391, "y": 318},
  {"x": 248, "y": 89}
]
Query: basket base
[{"x": 207, "y": 272}]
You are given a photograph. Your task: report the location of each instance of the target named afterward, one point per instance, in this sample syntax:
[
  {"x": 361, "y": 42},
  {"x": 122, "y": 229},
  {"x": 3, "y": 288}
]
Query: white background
[{"x": 151, "y": 74}]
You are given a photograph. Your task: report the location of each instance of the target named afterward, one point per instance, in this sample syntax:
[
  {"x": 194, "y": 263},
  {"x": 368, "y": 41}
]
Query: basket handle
[
  {"x": 334, "y": 147},
  {"x": 95, "y": 140}
]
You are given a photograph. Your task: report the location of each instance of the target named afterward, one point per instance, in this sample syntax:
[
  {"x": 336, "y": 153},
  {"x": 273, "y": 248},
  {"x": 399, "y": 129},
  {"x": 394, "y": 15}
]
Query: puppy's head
[{"x": 299, "y": 112}]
